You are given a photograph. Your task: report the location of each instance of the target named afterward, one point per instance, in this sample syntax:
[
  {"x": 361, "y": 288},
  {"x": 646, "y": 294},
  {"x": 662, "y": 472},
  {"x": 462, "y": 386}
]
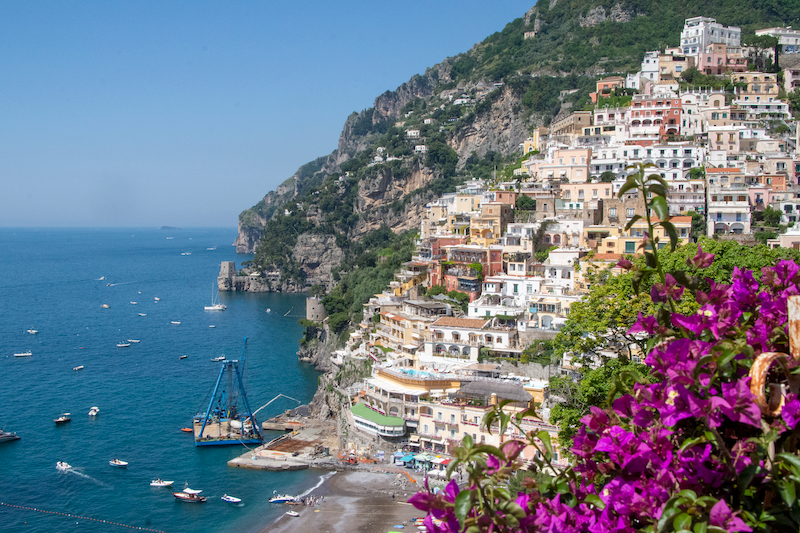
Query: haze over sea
[{"x": 51, "y": 283}]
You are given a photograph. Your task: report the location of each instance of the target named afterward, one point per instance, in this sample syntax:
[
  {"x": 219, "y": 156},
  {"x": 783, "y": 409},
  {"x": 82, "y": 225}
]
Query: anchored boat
[
  {"x": 189, "y": 495},
  {"x": 228, "y": 418}
]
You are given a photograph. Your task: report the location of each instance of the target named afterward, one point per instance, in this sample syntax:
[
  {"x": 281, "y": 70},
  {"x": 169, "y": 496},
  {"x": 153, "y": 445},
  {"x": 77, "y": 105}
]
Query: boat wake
[
  {"x": 123, "y": 283},
  {"x": 318, "y": 485},
  {"x": 90, "y": 478}
]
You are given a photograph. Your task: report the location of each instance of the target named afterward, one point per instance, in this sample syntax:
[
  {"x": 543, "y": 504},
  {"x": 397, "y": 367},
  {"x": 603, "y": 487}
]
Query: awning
[
  {"x": 407, "y": 458},
  {"x": 438, "y": 460},
  {"x": 414, "y": 438},
  {"x": 421, "y": 457},
  {"x": 446, "y": 461},
  {"x": 398, "y": 454}
]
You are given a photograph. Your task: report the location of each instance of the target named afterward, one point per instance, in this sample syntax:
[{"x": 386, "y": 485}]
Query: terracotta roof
[
  {"x": 606, "y": 257},
  {"x": 725, "y": 170},
  {"x": 448, "y": 321}
]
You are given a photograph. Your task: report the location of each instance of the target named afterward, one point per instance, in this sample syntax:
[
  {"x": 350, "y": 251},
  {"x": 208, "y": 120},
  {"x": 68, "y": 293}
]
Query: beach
[{"x": 354, "y": 502}]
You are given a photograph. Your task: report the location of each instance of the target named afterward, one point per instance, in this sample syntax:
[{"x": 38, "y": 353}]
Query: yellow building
[{"x": 630, "y": 242}]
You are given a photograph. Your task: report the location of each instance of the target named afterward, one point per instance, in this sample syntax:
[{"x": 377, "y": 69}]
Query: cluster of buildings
[{"x": 437, "y": 366}]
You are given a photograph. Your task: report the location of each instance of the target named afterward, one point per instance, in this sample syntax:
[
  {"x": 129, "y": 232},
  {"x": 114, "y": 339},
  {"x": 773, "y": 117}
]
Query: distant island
[{"x": 169, "y": 227}]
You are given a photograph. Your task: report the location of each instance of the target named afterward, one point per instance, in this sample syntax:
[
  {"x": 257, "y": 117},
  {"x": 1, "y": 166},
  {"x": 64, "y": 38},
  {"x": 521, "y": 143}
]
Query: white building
[
  {"x": 788, "y": 38},
  {"x": 650, "y": 66},
  {"x": 699, "y": 32},
  {"x": 728, "y": 210}
]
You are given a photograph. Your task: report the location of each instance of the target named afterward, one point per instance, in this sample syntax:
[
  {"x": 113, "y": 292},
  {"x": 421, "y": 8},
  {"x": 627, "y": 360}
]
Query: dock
[{"x": 293, "y": 451}]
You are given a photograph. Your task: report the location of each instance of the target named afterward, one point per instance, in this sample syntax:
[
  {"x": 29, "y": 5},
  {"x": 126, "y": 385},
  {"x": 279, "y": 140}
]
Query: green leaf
[
  {"x": 682, "y": 521},
  {"x": 632, "y": 221},
  {"x": 700, "y": 527},
  {"x": 466, "y": 442},
  {"x": 544, "y": 436},
  {"x": 463, "y": 504},
  {"x": 667, "y": 515},
  {"x": 688, "y": 494},
  {"x": 792, "y": 459},
  {"x": 659, "y": 205},
  {"x": 669, "y": 227},
  {"x": 787, "y": 490},
  {"x": 595, "y": 500},
  {"x": 650, "y": 259},
  {"x": 657, "y": 189},
  {"x": 630, "y": 184}
]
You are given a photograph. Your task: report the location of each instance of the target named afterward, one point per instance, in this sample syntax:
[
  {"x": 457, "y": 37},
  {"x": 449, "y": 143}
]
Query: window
[
  {"x": 530, "y": 289},
  {"x": 439, "y": 415},
  {"x": 612, "y": 212},
  {"x": 630, "y": 247},
  {"x": 452, "y": 419},
  {"x": 425, "y": 428},
  {"x": 630, "y": 212},
  {"x": 516, "y": 288}
]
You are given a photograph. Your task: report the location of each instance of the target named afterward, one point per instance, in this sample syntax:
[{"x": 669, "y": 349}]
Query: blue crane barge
[{"x": 228, "y": 418}]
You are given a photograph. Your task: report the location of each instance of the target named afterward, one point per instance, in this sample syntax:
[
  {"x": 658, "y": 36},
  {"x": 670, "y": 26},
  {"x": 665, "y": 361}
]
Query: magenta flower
[
  {"x": 722, "y": 517},
  {"x": 701, "y": 259},
  {"x": 791, "y": 411},
  {"x": 624, "y": 264},
  {"x": 648, "y": 324},
  {"x": 738, "y": 403},
  {"x": 663, "y": 292}
]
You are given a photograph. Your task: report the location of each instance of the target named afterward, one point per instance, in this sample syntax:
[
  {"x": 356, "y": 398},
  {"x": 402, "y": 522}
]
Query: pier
[{"x": 297, "y": 450}]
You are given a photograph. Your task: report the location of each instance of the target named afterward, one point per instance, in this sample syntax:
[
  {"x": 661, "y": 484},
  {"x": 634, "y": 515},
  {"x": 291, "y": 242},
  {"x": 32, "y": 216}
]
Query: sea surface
[{"x": 51, "y": 282}]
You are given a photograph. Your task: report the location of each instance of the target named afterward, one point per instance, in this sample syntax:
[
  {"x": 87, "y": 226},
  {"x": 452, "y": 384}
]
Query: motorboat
[
  {"x": 161, "y": 483},
  {"x": 33, "y": 331},
  {"x": 176, "y": 322},
  {"x": 212, "y": 326},
  {"x": 186, "y": 253},
  {"x": 269, "y": 310},
  {"x": 292, "y": 513},
  {"x": 93, "y": 411},
  {"x": 23, "y": 354},
  {"x": 123, "y": 345},
  {"x": 61, "y": 466},
  {"x": 134, "y": 341},
  {"x": 211, "y": 249},
  {"x": 105, "y": 306},
  {"x": 230, "y": 499},
  {"x": 183, "y": 357},
  {"x": 157, "y": 299},
  {"x": 119, "y": 464},
  {"x": 187, "y": 430},
  {"x": 134, "y": 303},
  {"x": 217, "y": 359},
  {"x": 63, "y": 419},
  {"x": 281, "y": 498},
  {"x": 215, "y": 305},
  {"x": 189, "y": 495},
  {"x": 76, "y": 368},
  {"x": 6, "y": 436},
  {"x": 142, "y": 314}
]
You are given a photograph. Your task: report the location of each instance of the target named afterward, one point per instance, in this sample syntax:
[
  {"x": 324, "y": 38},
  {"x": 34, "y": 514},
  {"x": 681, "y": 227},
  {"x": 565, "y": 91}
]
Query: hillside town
[{"x": 520, "y": 249}]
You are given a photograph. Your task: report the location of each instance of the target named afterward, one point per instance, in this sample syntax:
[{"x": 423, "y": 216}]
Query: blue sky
[{"x": 136, "y": 113}]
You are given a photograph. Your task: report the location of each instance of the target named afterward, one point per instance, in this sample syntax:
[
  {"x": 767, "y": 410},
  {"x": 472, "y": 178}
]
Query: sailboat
[
  {"x": 228, "y": 418},
  {"x": 215, "y": 305}
]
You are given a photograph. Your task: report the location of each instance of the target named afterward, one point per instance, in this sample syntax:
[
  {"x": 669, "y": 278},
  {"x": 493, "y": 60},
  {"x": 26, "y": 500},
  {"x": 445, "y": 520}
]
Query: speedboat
[
  {"x": 186, "y": 253},
  {"x": 63, "y": 419},
  {"x": 215, "y": 307},
  {"x": 142, "y": 314},
  {"x": 134, "y": 341},
  {"x": 124, "y": 345},
  {"x": 212, "y": 326},
  {"x": 23, "y": 354},
  {"x": 33, "y": 331},
  {"x": 160, "y": 483},
  {"x": 157, "y": 299},
  {"x": 212, "y": 248},
  {"x": 93, "y": 411},
  {"x": 187, "y": 430},
  {"x": 79, "y": 367},
  {"x": 230, "y": 499},
  {"x": 292, "y": 513},
  {"x": 119, "y": 464},
  {"x": 6, "y": 436},
  {"x": 61, "y": 466},
  {"x": 134, "y": 303},
  {"x": 281, "y": 498},
  {"x": 176, "y": 322},
  {"x": 183, "y": 357},
  {"x": 105, "y": 306},
  {"x": 189, "y": 495},
  {"x": 220, "y": 358}
]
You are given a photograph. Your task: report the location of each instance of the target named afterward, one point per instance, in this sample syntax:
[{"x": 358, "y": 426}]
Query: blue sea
[{"x": 51, "y": 282}]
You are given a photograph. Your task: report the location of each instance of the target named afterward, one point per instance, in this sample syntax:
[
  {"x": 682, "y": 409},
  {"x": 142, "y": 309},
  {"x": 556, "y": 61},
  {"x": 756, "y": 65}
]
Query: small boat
[
  {"x": 212, "y": 248},
  {"x": 61, "y": 466},
  {"x": 189, "y": 495},
  {"x": 23, "y": 354},
  {"x": 187, "y": 430},
  {"x": 101, "y": 278},
  {"x": 212, "y": 326},
  {"x": 170, "y": 238},
  {"x": 183, "y": 357},
  {"x": 93, "y": 411},
  {"x": 157, "y": 299},
  {"x": 119, "y": 464},
  {"x": 142, "y": 314},
  {"x": 134, "y": 341},
  {"x": 292, "y": 513},
  {"x": 79, "y": 367},
  {"x": 123, "y": 345},
  {"x": 215, "y": 305},
  {"x": 6, "y": 436},
  {"x": 160, "y": 483},
  {"x": 134, "y": 303},
  {"x": 105, "y": 306},
  {"x": 33, "y": 331},
  {"x": 63, "y": 419},
  {"x": 230, "y": 499},
  {"x": 269, "y": 310},
  {"x": 217, "y": 359},
  {"x": 176, "y": 322},
  {"x": 186, "y": 253},
  {"x": 281, "y": 498}
]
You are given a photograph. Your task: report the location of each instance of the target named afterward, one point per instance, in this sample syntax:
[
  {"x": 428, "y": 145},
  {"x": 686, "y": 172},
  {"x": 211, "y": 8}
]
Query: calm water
[{"x": 145, "y": 393}]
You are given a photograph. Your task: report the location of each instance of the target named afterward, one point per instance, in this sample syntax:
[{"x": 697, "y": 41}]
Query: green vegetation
[{"x": 461, "y": 297}]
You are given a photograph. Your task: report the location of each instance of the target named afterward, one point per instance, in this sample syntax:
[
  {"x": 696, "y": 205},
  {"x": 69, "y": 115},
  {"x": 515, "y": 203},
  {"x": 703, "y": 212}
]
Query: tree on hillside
[
  {"x": 772, "y": 217},
  {"x": 525, "y": 203},
  {"x": 607, "y": 177}
]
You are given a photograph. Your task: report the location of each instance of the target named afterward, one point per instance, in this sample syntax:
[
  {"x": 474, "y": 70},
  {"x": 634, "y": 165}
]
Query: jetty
[{"x": 297, "y": 450}]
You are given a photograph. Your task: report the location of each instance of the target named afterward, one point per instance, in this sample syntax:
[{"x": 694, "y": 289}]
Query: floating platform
[{"x": 220, "y": 433}]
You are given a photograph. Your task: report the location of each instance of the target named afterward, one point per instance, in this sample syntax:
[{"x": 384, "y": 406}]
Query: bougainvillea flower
[
  {"x": 722, "y": 517},
  {"x": 670, "y": 290},
  {"x": 624, "y": 264},
  {"x": 791, "y": 411},
  {"x": 648, "y": 324},
  {"x": 701, "y": 259}
]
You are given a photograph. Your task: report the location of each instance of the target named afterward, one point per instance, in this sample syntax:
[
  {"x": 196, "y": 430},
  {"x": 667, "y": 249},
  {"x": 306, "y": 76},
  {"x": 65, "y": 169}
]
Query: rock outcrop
[
  {"x": 317, "y": 256},
  {"x": 597, "y": 14}
]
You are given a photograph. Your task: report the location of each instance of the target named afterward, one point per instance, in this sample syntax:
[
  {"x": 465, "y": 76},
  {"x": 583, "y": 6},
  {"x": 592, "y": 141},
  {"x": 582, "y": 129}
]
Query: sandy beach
[{"x": 354, "y": 502}]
